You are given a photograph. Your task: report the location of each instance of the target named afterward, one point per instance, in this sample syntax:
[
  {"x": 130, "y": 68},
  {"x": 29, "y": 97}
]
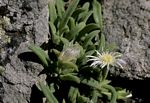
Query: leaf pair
[{"x": 67, "y": 14}]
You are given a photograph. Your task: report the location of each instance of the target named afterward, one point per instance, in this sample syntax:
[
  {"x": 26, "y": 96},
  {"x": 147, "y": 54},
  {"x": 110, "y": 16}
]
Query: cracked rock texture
[
  {"x": 127, "y": 23},
  {"x": 28, "y": 24}
]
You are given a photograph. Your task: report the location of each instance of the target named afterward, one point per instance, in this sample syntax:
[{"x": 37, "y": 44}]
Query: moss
[
  {"x": 2, "y": 69},
  {"x": 4, "y": 39},
  {"x": 4, "y": 21}
]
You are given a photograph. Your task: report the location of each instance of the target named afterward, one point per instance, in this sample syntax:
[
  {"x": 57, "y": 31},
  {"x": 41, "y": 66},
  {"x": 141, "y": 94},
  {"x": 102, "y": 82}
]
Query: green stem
[
  {"x": 113, "y": 93},
  {"x": 105, "y": 71},
  {"x": 94, "y": 96}
]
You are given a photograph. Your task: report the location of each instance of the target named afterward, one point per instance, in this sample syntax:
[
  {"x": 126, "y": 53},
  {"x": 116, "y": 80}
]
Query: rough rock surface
[
  {"x": 28, "y": 24},
  {"x": 127, "y": 23}
]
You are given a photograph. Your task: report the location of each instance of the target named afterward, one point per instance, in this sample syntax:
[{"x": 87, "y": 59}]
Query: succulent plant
[{"x": 76, "y": 31}]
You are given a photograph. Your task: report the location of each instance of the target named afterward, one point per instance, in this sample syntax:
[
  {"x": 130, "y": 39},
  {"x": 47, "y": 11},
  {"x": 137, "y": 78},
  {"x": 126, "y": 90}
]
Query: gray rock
[
  {"x": 127, "y": 24},
  {"x": 28, "y": 24}
]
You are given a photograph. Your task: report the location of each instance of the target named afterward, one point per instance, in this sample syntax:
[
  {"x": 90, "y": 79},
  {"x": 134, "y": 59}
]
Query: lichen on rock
[
  {"x": 28, "y": 24},
  {"x": 4, "y": 39}
]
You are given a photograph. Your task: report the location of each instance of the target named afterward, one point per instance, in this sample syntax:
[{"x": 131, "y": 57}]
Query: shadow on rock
[
  {"x": 29, "y": 56},
  {"x": 36, "y": 95},
  {"x": 139, "y": 88}
]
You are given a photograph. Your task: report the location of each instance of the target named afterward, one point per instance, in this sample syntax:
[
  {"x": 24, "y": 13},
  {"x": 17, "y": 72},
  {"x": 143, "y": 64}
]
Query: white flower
[{"x": 106, "y": 59}]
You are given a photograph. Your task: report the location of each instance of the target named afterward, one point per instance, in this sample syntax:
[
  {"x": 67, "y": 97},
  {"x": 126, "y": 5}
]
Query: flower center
[{"x": 107, "y": 58}]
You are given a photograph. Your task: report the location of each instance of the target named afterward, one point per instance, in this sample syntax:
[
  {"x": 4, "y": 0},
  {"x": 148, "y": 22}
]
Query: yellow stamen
[{"x": 107, "y": 58}]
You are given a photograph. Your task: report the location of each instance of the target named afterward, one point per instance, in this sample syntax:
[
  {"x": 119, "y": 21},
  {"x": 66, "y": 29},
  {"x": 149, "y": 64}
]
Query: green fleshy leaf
[
  {"x": 56, "y": 52},
  {"x": 77, "y": 12},
  {"x": 41, "y": 54},
  {"x": 70, "y": 77},
  {"x": 97, "y": 13},
  {"x": 95, "y": 96},
  {"x": 84, "y": 14},
  {"x": 52, "y": 27},
  {"x": 83, "y": 99},
  {"x": 64, "y": 40},
  {"x": 52, "y": 11},
  {"x": 86, "y": 6},
  {"x": 72, "y": 95},
  {"x": 71, "y": 23},
  {"x": 74, "y": 31},
  {"x": 122, "y": 94},
  {"x": 65, "y": 29},
  {"x": 87, "y": 16},
  {"x": 113, "y": 93},
  {"x": 89, "y": 37},
  {"x": 60, "y": 7},
  {"x": 70, "y": 65},
  {"x": 48, "y": 94},
  {"x": 92, "y": 83},
  {"x": 68, "y": 14},
  {"x": 56, "y": 38},
  {"x": 88, "y": 28},
  {"x": 102, "y": 43}
]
